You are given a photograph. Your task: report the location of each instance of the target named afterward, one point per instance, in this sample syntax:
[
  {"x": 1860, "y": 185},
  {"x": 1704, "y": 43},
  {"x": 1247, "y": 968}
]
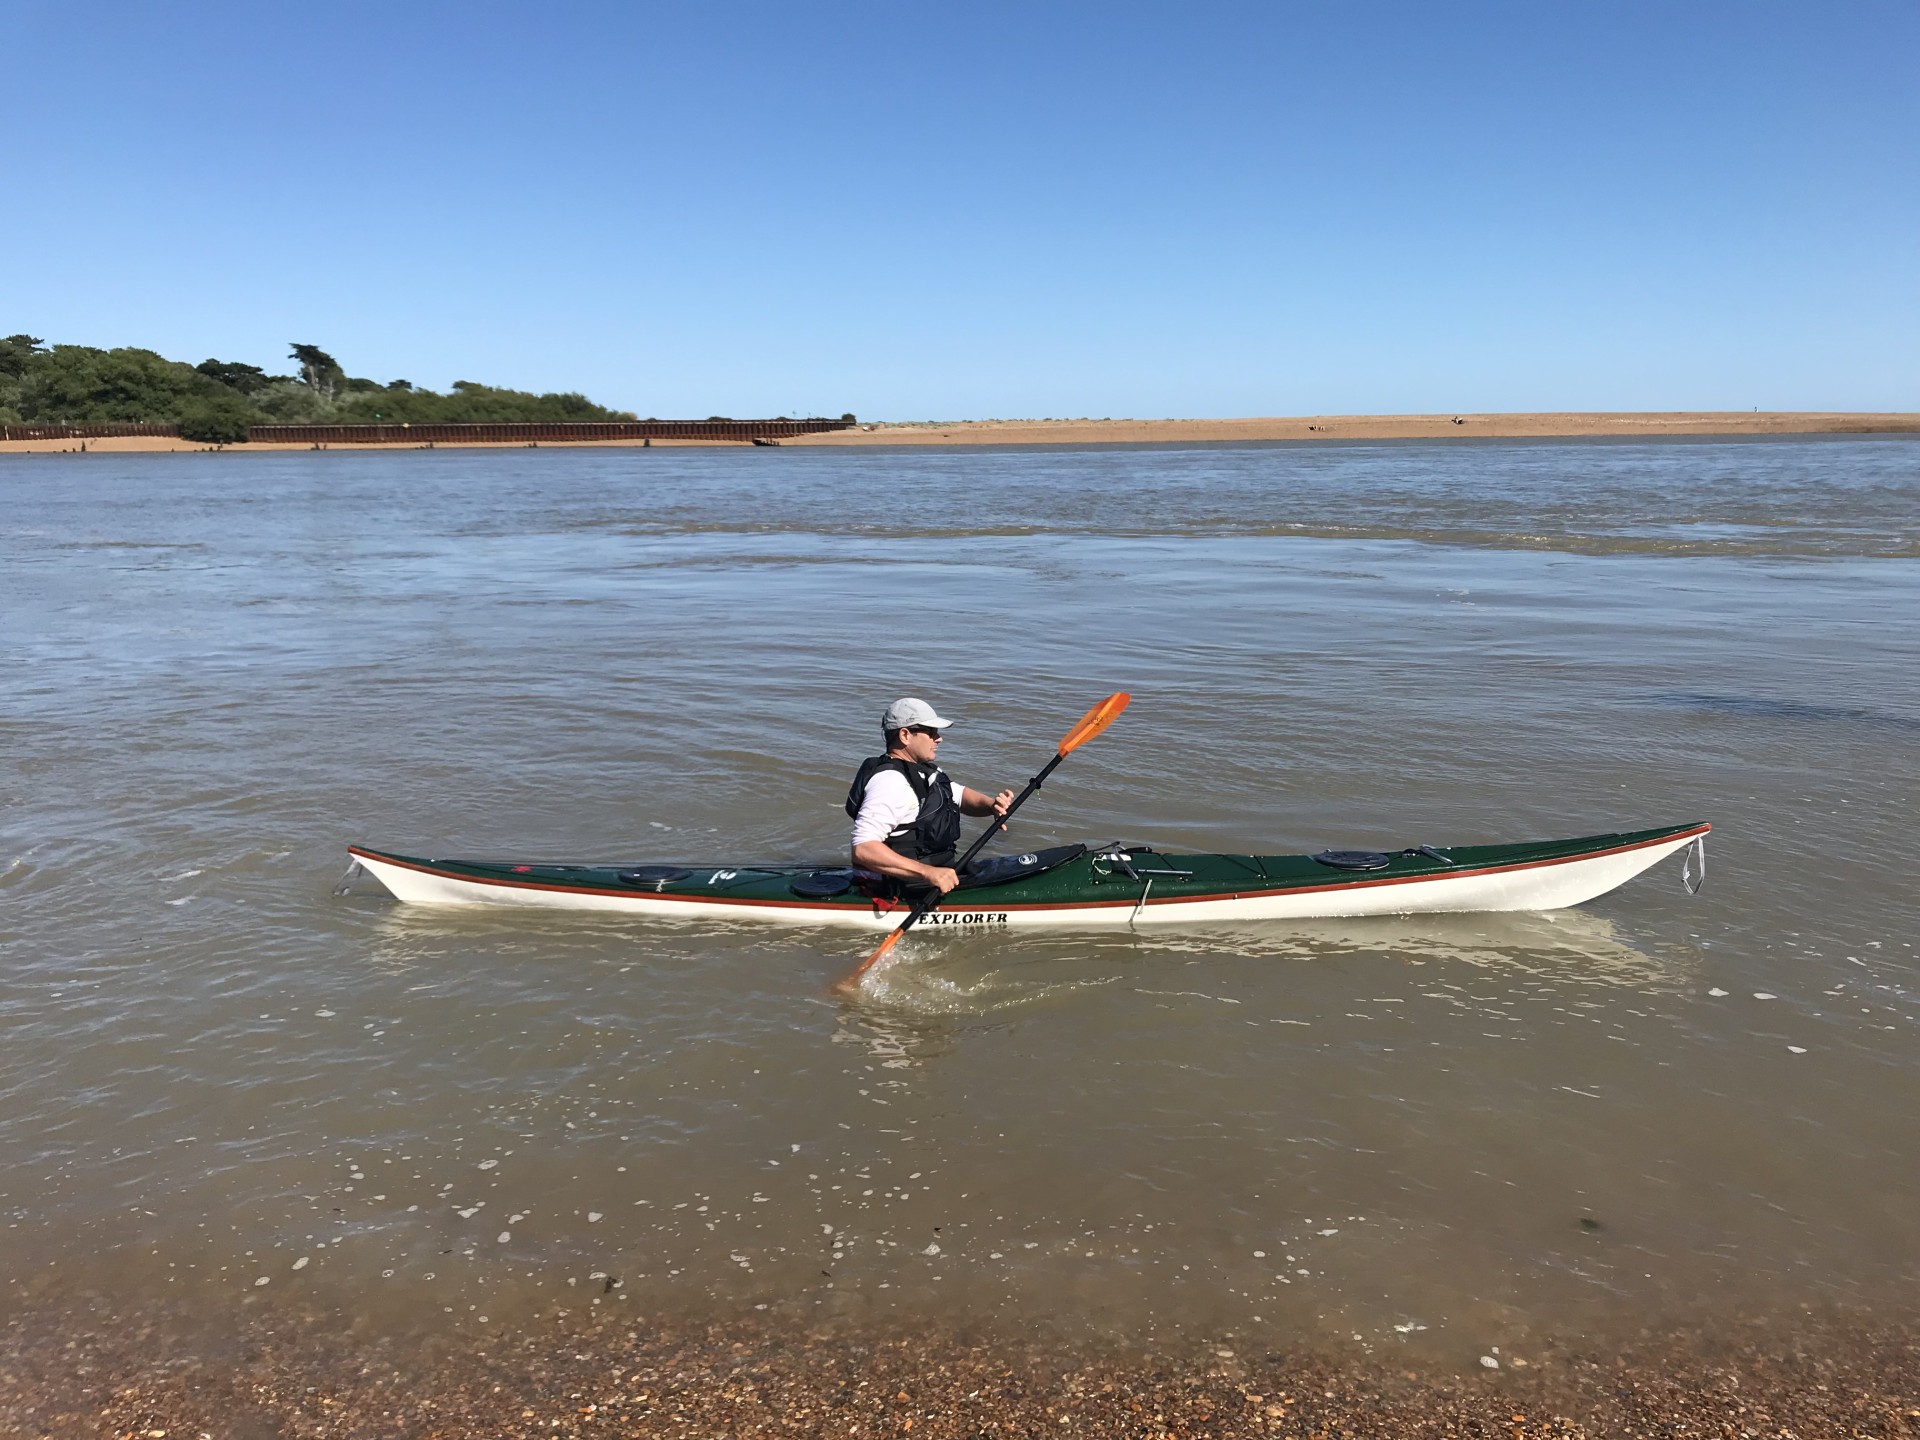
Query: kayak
[{"x": 1078, "y": 886}]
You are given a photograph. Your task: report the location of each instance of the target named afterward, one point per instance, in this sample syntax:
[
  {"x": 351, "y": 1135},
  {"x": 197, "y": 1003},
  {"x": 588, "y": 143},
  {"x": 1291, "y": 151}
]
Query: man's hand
[
  {"x": 941, "y": 878},
  {"x": 972, "y": 802}
]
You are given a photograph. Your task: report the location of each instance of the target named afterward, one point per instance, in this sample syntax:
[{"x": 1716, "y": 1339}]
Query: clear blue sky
[{"x": 918, "y": 211}]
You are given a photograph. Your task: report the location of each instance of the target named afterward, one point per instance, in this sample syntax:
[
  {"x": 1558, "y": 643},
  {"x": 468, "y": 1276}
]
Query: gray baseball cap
[{"x": 908, "y": 711}]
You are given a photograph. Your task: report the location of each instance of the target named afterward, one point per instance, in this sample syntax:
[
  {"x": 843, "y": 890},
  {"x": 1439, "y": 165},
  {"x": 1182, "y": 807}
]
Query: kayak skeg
[{"x": 1071, "y": 886}]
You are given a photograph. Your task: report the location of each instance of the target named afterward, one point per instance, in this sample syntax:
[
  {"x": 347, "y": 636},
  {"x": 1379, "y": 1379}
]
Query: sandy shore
[
  {"x": 1371, "y": 427},
  {"x": 1187, "y": 432},
  {"x": 95, "y": 1370}
]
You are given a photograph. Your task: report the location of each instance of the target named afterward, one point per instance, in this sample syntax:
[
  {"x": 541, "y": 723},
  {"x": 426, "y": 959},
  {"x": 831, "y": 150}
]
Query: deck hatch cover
[{"x": 1354, "y": 859}]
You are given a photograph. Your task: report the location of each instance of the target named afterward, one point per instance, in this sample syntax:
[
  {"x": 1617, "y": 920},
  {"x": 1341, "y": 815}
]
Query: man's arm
[
  {"x": 880, "y": 856},
  {"x": 972, "y": 802}
]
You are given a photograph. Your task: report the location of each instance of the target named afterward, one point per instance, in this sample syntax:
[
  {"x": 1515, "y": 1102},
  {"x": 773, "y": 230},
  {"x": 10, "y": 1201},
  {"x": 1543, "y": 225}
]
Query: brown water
[{"x": 220, "y": 1081}]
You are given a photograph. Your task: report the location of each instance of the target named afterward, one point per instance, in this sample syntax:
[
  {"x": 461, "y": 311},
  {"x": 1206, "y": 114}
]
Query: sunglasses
[{"x": 923, "y": 730}]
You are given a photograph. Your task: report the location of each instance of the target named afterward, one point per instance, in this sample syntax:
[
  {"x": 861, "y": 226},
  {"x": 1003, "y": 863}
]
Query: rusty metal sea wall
[
  {"x": 742, "y": 430},
  {"x": 501, "y": 434},
  {"x": 82, "y": 432}
]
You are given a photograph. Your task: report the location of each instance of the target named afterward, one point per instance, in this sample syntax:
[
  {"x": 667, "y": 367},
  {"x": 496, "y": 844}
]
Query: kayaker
[{"x": 905, "y": 810}]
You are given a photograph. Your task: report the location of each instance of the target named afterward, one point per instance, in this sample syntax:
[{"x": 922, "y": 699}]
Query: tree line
[{"x": 218, "y": 401}]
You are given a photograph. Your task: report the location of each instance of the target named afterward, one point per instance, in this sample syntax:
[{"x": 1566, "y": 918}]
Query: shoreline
[
  {"x": 1308, "y": 428},
  {"x": 1304, "y": 428},
  {"x": 95, "y": 1367}
]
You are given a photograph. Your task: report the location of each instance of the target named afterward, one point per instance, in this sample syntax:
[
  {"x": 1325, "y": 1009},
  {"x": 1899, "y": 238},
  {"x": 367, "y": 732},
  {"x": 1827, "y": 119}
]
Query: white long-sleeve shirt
[{"x": 890, "y": 804}]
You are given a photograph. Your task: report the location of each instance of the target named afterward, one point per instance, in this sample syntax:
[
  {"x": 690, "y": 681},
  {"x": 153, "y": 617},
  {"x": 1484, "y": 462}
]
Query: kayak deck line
[{"x": 1541, "y": 876}]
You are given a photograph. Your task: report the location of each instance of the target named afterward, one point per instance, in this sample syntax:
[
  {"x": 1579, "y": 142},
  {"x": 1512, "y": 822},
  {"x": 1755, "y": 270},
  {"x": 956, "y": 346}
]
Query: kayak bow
[{"x": 1070, "y": 886}]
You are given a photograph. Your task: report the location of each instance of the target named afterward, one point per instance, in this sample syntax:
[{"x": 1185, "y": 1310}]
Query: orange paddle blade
[
  {"x": 1094, "y": 721},
  {"x": 853, "y": 976}
]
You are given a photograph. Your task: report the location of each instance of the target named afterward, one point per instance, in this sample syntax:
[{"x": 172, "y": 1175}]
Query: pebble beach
[{"x": 92, "y": 1370}]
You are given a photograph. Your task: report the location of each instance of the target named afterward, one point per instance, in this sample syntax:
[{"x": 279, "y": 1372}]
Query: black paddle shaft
[{"x": 999, "y": 824}]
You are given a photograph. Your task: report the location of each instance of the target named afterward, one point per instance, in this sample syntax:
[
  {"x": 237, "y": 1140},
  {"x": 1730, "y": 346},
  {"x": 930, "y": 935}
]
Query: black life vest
[{"x": 934, "y": 836}]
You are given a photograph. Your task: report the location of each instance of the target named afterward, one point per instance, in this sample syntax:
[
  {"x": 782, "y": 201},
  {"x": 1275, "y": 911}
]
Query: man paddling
[{"x": 905, "y": 811}]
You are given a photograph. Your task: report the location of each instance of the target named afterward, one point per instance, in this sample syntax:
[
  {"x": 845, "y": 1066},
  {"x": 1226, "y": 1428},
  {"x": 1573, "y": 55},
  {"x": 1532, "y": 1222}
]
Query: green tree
[
  {"x": 318, "y": 370},
  {"x": 293, "y": 402},
  {"x": 80, "y": 385},
  {"x": 470, "y": 403},
  {"x": 235, "y": 375},
  {"x": 217, "y": 419},
  {"x": 17, "y": 352},
  {"x": 216, "y": 399}
]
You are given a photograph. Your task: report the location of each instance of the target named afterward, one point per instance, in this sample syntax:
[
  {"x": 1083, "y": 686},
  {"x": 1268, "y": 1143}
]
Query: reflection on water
[
  {"x": 1758, "y": 707},
  {"x": 978, "y": 978},
  {"x": 1574, "y": 945},
  {"x": 895, "y": 1040},
  {"x": 219, "y": 1073}
]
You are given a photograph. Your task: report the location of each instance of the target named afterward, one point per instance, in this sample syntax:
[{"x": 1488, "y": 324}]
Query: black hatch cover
[
  {"x": 1354, "y": 859},
  {"x": 654, "y": 875},
  {"x": 822, "y": 884},
  {"x": 999, "y": 869}
]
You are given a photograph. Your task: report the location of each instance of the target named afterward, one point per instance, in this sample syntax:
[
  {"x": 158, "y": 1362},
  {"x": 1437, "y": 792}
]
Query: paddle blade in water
[
  {"x": 1094, "y": 721},
  {"x": 851, "y": 979}
]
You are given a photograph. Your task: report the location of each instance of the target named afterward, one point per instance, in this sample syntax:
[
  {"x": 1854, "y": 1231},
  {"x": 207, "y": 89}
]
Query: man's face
[{"x": 921, "y": 743}]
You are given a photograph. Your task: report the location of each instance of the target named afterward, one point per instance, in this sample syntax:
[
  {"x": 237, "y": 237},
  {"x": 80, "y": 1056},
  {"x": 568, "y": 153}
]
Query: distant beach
[
  {"x": 1546, "y": 425},
  {"x": 1570, "y": 423}
]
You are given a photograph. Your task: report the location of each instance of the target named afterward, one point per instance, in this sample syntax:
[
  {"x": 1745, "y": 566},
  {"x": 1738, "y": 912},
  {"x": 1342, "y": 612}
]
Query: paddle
[{"x": 1091, "y": 724}]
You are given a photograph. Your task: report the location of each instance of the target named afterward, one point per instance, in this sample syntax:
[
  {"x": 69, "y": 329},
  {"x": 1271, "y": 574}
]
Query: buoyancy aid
[{"x": 933, "y": 837}]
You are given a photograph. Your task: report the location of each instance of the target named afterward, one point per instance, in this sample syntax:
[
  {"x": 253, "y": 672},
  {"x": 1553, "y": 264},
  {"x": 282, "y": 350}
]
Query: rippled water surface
[{"x": 221, "y": 1079}]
